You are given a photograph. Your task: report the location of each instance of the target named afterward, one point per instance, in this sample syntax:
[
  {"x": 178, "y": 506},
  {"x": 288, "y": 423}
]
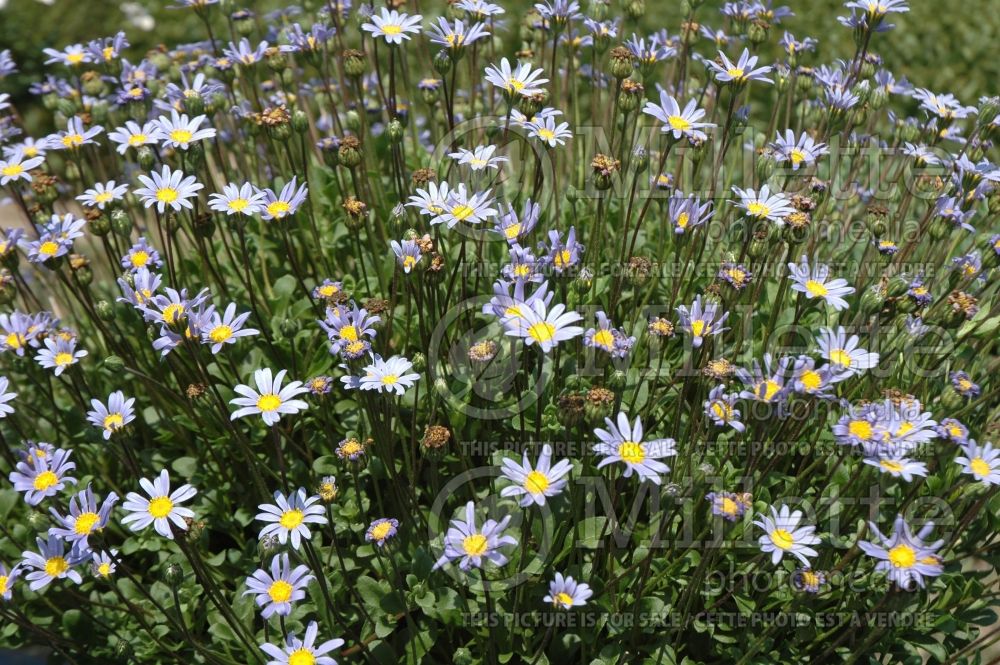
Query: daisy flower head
[
  {"x": 7, "y": 580},
  {"x": 59, "y": 353},
  {"x": 286, "y": 203},
  {"x": 479, "y": 158},
  {"x": 765, "y": 204},
  {"x": 141, "y": 255},
  {"x": 701, "y": 320},
  {"x": 304, "y": 651},
  {"x": 622, "y": 442},
  {"x": 535, "y": 483},
  {"x": 381, "y": 531},
  {"x": 71, "y": 56},
  {"x": 783, "y": 535},
  {"x": 562, "y": 256},
  {"x": 18, "y": 167},
  {"x": 245, "y": 54},
  {"x": 102, "y": 564},
  {"x": 179, "y": 131},
  {"x": 289, "y": 517},
  {"x": 226, "y": 328},
  {"x": 407, "y": 254},
  {"x": 807, "y": 379},
  {"x": 687, "y": 213},
  {"x": 388, "y": 376},
  {"x": 803, "y": 151},
  {"x": 460, "y": 207},
  {"x": 471, "y": 545},
  {"x": 815, "y": 282},
  {"x": 981, "y": 462},
  {"x": 139, "y": 288},
  {"x": 134, "y": 135},
  {"x": 538, "y": 324},
  {"x": 741, "y": 72},
  {"x": 455, "y": 37},
  {"x": 729, "y": 505},
  {"x": 50, "y": 563},
  {"x": 39, "y": 477},
  {"x": 846, "y": 357},
  {"x": 566, "y": 593},
  {"x": 350, "y": 449},
  {"x": 520, "y": 80},
  {"x": 392, "y": 26},
  {"x": 512, "y": 226},
  {"x": 679, "y": 123},
  {"x": 431, "y": 202},
  {"x": 75, "y": 135},
  {"x": 270, "y": 400},
  {"x": 898, "y": 467},
  {"x": 953, "y": 430},
  {"x": 168, "y": 188},
  {"x": 721, "y": 408},
  {"x": 86, "y": 516},
  {"x": 964, "y": 385},
  {"x": 548, "y": 132},
  {"x": 103, "y": 194},
  {"x": 907, "y": 559},
  {"x": 345, "y": 327},
  {"x": 115, "y": 416},
  {"x": 162, "y": 509},
  {"x": 808, "y": 580},
  {"x": 6, "y": 396},
  {"x": 766, "y": 383},
  {"x": 277, "y": 589},
  {"x": 611, "y": 340}
]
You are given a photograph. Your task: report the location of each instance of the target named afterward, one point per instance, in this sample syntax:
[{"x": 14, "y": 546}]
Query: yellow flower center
[
  {"x": 45, "y": 480},
  {"x": 698, "y": 327},
  {"x": 63, "y": 359},
  {"x": 474, "y": 545},
  {"x": 103, "y": 197},
  {"x": 891, "y": 465},
  {"x": 512, "y": 231},
  {"x": 85, "y": 523},
  {"x": 809, "y": 578},
  {"x": 683, "y": 220},
  {"x": 140, "y": 258},
  {"x": 160, "y": 507},
  {"x": 166, "y": 195},
  {"x": 860, "y": 428},
  {"x": 278, "y": 208},
  {"x": 292, "y": 519},
  {"x": 56, "y": 566},
  {"x": 137, "y": 140},
  {"x": 678, "y": 123},
  {"x": 409, "y": 262},
  {"x": 811, "y": 380},
  {"x": 514, "y": 85},
  {"x": 462, "y": 212},
  {"x": 172, "y": 313},
  {"x": 381, "y": 531},
  {"x": 735, "y": 72},
  {"x": 562, "y": 258},
  {"x": 12, "y": 170},
  {"x": 268, "y": 402},
  {"x": 48, "y": 248},
  {"x": 956, "y": 431},
  {"x": 564, "y": 599},
  {"x": 902, "y": 556},
  {"x": 904, "y": 428},
  {"x": 546, "y": 134},
  {"x": 390, "y": 29},
  {"x": 979, "y": 466},
  {"x": 840, "y": 357},
  {"x": 536, "y": 482},
  {"x": 542, "y": 331},
  {"x": 113, "y": 421},
  {"x": 722, "y": 410},
  {"x": 604, "y": 338},
  {"x": 770, "y": 389},
  {"x": 349, "y": 333},
  {"x": 631, "y": 452},
  {"x": 280, "y": 591},
  {"x": 180, "y": 136},
  {"x": 782, "y": 539},
  {"x": 14, "y": 340},
  {"x": 238, "y": 205},
  {"x": 301, "y": 656},
  {"x": 390, "y": 379},
  {"x": 220, "y": 334},
  {"x": 104, "y": 570},
  {"x": 72, "y": 140},
  {"x": 816, "y": 289},
  {"x": 728, "y": 507},
  {"x": 797, "y": 156},
  {"x": 758, "y": 209},
  {"x": 3, "y": 584}
]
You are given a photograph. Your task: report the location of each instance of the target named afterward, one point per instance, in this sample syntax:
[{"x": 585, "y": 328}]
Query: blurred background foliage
[{"x": 946, "y": 47}]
